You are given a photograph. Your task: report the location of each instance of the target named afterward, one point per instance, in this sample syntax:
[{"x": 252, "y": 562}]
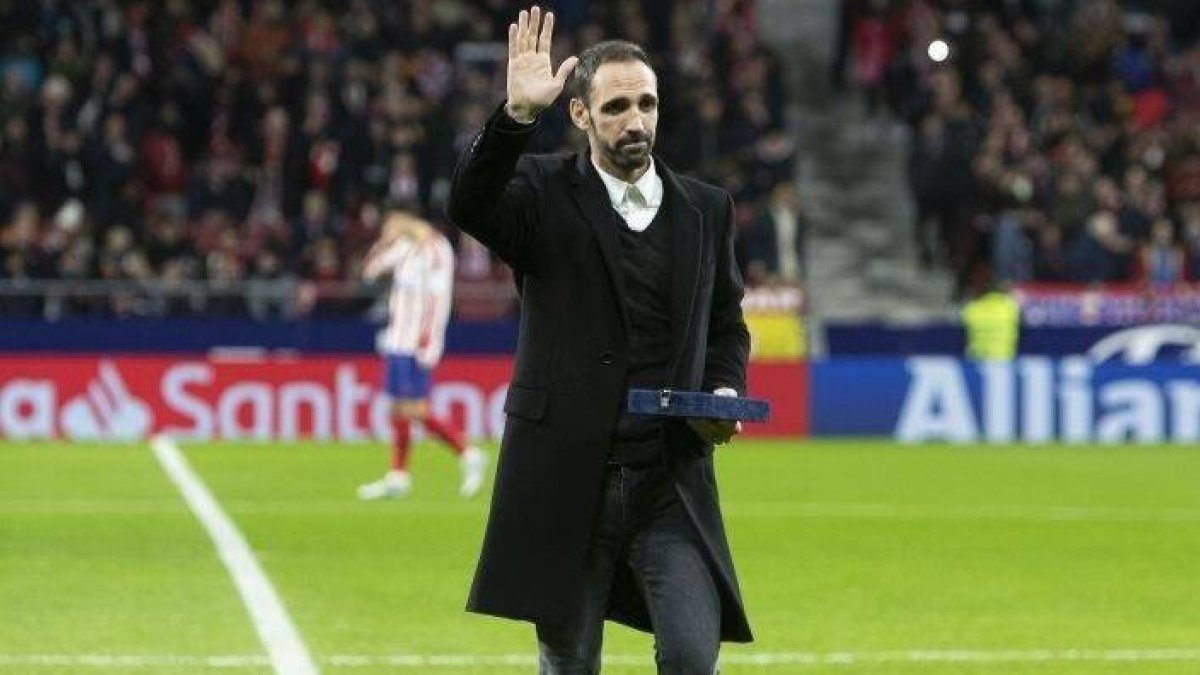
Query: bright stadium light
[{"x": 939, "y": 51}]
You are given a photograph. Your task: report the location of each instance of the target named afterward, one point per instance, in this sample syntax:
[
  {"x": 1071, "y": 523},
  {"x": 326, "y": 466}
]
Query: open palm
[{"x": 533, "y": 84}]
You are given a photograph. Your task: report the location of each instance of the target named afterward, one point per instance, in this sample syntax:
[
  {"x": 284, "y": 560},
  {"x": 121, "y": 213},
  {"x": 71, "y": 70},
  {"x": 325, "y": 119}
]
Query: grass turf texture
[{"x": 863, "y": 547}]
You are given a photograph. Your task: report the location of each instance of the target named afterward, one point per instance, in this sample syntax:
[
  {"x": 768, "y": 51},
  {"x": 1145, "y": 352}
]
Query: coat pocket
[{"x": 526, "y": 402}]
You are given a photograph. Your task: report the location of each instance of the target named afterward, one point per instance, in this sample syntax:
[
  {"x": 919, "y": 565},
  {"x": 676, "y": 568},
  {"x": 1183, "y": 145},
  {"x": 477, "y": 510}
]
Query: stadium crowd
[
  {"x": 1058, "y": 142},
  {"x": 259, "y": 140}
]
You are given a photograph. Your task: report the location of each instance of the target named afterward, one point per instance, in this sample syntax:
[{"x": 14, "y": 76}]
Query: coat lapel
[
  {"x": 686, "y": 245},
  {"x": 687, "y": 227},
  {"x": 592, "y": 200}
]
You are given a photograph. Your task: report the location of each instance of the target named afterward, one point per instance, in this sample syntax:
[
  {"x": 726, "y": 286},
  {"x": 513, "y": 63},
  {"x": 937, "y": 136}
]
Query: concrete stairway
[
  {"x": 862, "y": 259},
  {"x": 862, "y": 262}
]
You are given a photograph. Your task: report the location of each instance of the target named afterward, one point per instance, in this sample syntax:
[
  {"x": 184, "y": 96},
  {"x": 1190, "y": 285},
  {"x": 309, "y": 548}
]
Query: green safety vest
[{"x": 993, "y": 323}]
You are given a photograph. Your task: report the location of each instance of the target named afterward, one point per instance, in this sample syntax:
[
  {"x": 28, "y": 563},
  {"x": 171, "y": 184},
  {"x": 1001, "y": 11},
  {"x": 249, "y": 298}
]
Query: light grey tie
[{"x": 635, "y": 197}]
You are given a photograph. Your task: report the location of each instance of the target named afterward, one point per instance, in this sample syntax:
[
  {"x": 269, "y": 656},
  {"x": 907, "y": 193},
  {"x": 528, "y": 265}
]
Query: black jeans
[{"x": 642, "y": 524}]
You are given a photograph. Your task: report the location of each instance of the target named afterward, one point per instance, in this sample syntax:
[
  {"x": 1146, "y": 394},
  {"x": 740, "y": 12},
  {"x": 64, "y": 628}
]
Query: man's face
[{"x": 621, "y": 116}]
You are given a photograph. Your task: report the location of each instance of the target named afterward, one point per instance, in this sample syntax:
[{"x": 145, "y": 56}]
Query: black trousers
[{"x": 642, "y": 524}]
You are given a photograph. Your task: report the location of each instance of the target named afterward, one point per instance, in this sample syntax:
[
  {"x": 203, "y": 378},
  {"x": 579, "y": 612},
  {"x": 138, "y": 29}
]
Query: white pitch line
[
  {"x": 760, "y": 660},
  {"x": 739, "y": 509},
  {"x": 770, "y": 659},
  {"x": 285, "y": 648},
  {"x": 797, "y": 510},
  {"x": 886, "y": 511},
  {"x": 131, "y": 661}
]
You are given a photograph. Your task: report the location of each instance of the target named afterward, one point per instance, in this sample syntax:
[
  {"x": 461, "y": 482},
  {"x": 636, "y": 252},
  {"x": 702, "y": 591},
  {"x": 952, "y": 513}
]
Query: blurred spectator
[
  {"x": 1162, "y": 261},
  {"x": 232, "y": 140},
  {"x": 1012, "y": 251},
  {"x": 1057, "y": 142},
  {"x": 772, "y": 245},
  {"x": 871, "y": 46},
  {"x": 222, "y": 270},
  {"x": 1191, "y": 238},
  {"x": 1049, "y": 258},
  {"x": 1100, "y": 253}
]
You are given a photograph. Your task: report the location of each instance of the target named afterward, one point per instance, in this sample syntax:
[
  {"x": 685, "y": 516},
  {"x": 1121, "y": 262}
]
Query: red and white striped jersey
[{"x": 419, "y": 306}]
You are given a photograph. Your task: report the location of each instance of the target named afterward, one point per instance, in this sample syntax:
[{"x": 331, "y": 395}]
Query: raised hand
[{"x": 532, "y": 84}]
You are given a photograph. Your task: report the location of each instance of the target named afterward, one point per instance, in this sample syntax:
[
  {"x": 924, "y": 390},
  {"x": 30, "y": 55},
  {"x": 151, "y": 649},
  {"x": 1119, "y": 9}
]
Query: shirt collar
[{"x": 650, "y": 185}]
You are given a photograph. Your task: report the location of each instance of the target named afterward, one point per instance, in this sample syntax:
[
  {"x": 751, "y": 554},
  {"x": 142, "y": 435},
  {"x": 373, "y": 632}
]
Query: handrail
[{"x": 258, "y": 298}]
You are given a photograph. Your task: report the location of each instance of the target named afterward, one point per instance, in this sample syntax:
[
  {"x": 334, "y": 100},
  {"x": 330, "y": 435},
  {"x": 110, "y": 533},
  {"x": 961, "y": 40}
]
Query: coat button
[{"x": 606, "y": 358}]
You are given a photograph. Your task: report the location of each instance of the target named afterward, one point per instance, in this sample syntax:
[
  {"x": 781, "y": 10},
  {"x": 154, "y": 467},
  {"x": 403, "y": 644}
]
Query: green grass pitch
[{"x": 855, "y": 557}]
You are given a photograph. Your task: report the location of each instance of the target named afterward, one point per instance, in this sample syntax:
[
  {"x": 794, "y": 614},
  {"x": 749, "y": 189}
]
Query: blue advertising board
[
  {"x": 1158, "y": 342},
  {"x": 1032, "y": 399}
]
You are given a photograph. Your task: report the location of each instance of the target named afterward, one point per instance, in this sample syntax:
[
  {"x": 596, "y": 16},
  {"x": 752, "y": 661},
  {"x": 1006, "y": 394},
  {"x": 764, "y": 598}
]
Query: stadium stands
[
  {"x": 186, "y": 152},
  {"x": 1055, "y": 142}
]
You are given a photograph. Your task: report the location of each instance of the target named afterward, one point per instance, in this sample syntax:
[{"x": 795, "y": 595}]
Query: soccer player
[{"x": 421, "y": 264}]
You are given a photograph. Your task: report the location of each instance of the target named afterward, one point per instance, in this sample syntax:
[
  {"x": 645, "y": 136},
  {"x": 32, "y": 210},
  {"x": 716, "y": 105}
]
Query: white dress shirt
[{"x": 636, "y": 202}]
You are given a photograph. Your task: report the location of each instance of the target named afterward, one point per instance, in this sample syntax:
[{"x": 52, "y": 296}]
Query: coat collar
[
  {"x": 649, "y": 184},
  {"x": 687, "y": 230},
  {"x": 592, "y": 199}
]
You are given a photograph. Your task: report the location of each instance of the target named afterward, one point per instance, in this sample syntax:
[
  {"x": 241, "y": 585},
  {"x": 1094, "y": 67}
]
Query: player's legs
[
  {"x": 471, "y": 460},
  {"x": 408, "y": 384},
  {"x": 572, "y": 647},
  {"x": 405, "y": 411},
  {"x": 401, "y": 382},
  {"x": 422, "y": 384},
  {"x": 668, "y": 562}
]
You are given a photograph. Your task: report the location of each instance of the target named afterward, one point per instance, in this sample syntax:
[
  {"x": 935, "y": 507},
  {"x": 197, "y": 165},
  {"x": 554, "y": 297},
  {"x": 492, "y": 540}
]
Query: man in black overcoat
[{"x": 627, "y": 279}]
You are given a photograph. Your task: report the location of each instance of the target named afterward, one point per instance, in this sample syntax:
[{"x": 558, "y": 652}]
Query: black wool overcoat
[{"x": 549, "y": 217}]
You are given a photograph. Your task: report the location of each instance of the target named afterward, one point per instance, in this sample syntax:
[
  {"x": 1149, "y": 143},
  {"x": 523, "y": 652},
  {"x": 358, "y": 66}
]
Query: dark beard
[{"x": 621, "y": 157}]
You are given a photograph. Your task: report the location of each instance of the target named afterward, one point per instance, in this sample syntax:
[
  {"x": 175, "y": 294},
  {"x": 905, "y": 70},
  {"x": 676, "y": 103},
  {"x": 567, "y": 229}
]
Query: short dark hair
[{"x": 590, "y": 60}]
